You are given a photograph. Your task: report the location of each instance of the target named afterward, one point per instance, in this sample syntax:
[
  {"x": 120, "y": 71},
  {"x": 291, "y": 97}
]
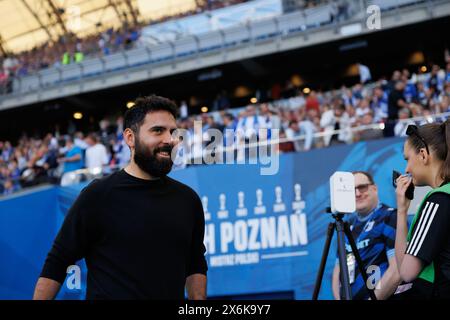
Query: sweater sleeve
[
  {"x": 197, "y": 261},
  {"x": 73, "y": 239}
]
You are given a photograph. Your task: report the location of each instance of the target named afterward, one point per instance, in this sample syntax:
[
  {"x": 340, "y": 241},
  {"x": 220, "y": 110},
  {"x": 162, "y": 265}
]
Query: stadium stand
[{"x": 305, "y": 121}]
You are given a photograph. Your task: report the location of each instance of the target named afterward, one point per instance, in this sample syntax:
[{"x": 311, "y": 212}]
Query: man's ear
[{"x": 129, "y": 137}]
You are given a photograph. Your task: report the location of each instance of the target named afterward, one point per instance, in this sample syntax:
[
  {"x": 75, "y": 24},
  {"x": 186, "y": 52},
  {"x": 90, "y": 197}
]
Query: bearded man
[{"x": 139, "y": 231}]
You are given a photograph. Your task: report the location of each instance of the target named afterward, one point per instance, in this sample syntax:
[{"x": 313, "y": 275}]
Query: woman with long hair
[{"x": 423, "y": 252}]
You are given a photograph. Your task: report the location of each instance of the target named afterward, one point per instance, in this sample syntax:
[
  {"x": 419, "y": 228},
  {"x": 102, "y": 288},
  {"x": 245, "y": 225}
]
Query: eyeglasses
[
  {"x": 362, "y": 188},
  {"x": 413, "y": 130}
]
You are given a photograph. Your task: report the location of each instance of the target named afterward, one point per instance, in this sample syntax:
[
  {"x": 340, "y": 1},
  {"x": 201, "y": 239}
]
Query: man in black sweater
[
  {"x": 139, "y": 231},
  {"x": 396, "y": 102}
]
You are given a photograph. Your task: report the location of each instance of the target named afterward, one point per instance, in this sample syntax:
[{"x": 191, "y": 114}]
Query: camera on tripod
[
  {"x": 343, "y": 200},
  {"x": 342, "y": 192}
]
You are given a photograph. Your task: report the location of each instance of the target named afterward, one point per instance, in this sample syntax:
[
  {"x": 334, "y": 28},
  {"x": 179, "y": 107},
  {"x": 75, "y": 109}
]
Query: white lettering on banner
[
  {"x": 284, "y": 239},
  {"x": 234, "y": 259},
  {"x": 282, "y": 231},
  {"x": 226, "y": 235},
  {"x": 299, "y": 235},
  {"x": 210, "y": 239},
  {"x": 268, "y": 232},
  {"x": 239, "y": 241},
  {"x": 253, "y": 243},
  {"x": 240, "y": 233}
]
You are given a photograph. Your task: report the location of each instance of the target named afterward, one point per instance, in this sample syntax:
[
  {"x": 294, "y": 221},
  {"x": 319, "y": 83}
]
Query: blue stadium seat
[
  {"x": 71, "y": 72},
  {"x": 210, "y": 41},
  {"x": 264, "y": 29},
  {"x": 185, "y": 46},
  {"x": 292, "y": 23},
  {"x": 236, "y": 35},
  {"x": 92, "y": 67},
  {"x": 139, "y": 56},
  {"x": 50, "y": 76},
  {"x": 161, "y": 52},
  {"x": 115, "y": 62}
]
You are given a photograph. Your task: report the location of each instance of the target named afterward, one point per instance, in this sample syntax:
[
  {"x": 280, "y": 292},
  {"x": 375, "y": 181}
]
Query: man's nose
[{"x": 167, "y": 138}]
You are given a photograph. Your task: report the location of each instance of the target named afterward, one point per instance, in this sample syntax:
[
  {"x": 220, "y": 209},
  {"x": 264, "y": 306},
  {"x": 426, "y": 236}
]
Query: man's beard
[{"x": 148, "y": 160}]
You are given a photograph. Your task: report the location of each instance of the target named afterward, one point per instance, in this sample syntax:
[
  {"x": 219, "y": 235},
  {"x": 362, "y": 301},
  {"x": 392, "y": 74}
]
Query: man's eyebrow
[
  {"x": 157, "y": 127},
  {"x": 161, "y": 127}
]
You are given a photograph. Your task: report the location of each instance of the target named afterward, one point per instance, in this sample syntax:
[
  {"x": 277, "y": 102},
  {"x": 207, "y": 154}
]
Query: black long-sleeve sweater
[{"x": 140, "y": 238}]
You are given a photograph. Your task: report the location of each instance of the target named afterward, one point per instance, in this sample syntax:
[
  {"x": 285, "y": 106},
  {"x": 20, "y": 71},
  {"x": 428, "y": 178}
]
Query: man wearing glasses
[{"x": 373, "y": 229}]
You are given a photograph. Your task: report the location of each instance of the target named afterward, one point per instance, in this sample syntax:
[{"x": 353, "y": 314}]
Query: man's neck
[
  {"x": 133, "y": 169},
  {"x": 365, "y": 214}
]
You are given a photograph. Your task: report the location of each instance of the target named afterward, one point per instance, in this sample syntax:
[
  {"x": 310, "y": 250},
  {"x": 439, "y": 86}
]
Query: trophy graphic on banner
[
  {"x": 298, "y": 205},
  {"x": 223, "y": 212},
  {"x": 279, "y": 206},
  {"x": 205, "y": 208},
  {"x": 260, "y": 208},
  {"x": 241, "y": 211}
]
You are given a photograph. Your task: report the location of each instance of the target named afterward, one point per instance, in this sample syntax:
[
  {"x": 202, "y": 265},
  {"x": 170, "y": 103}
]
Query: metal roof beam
[
  {"x": 53, "y": 23},
  {"x": 114, "y": 5},
  {"x": 39, "y": 21},
  {"x": 134, "y": 11},
  {"x": 2, "y": 48},
  {"x": 57, "y": 14}
]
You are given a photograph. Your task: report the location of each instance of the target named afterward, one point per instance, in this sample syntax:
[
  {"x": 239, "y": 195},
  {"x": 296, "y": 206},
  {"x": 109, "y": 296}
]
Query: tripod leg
[
  {"x": 347, "y": 293},
  {"x": 361, "y": 267},
  {"x": 323, "y": 261}
]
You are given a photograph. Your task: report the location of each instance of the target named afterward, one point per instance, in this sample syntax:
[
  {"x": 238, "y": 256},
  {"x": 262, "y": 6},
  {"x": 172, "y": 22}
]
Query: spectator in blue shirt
[
  {"x": 410, "y": 88},
  {"x": 379, "y": 104},
  {"x": 9, "y": 188},
  {"x": 73, "y": 157},
  {"x": 447, "y": 77},
  {"x": 229, "y": 129}
]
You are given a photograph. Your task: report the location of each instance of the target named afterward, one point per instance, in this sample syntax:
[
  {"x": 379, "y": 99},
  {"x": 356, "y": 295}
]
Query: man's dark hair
[
  {"x": 69, "y": 139},
  {"x": 340, "y": 106},
  {"x": 367, "y": 174},
  {"x": 292, "y": 122},
  {"x": 135, "y": 116},
  {"x": 229, "y": 116},
  {"x": 93, "y": 137}
]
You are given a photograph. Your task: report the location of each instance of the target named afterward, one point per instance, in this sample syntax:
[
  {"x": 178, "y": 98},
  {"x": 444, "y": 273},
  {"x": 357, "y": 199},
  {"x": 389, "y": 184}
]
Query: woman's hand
[{"x": 403, "y": 203}]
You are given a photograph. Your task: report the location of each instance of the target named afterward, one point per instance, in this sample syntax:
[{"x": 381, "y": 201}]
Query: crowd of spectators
[
  {"x": 68, "y": 49},
  {"x": 320, "y": 119},
  {"x": 305, "y": 121},
  {"x": 72, "y": 49},
  {"x": 34, "y": 161}
]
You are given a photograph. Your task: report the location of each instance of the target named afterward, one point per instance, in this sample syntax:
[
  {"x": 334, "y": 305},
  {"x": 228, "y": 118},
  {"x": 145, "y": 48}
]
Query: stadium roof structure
[{"x": 27, "y": 23}]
